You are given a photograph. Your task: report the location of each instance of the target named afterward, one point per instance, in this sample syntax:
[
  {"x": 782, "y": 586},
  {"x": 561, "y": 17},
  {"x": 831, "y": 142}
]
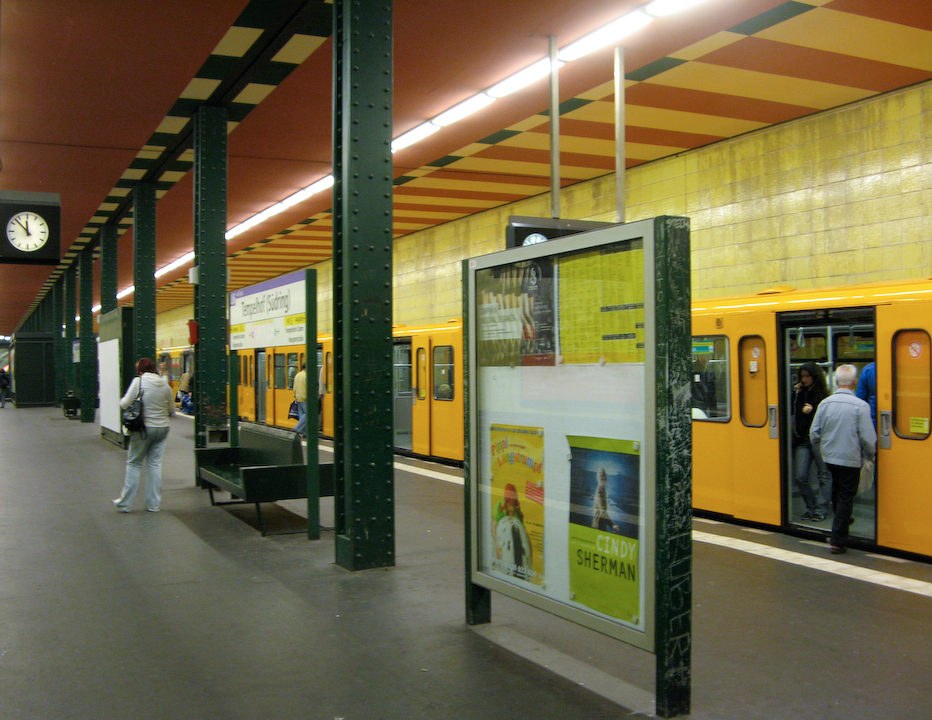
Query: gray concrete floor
[{"x": 190, "y": 613}]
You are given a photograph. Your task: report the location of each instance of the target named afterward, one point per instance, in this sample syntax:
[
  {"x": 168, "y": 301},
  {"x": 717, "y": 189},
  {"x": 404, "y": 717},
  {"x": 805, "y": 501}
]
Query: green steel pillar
[
  {"x": 70, "y": 307},
  {"x": 210, "y": 293},
  {"x": 144, "y": 270},
  {"x": 312, "y": 407},
  {"x": 362, "y": 254},
  {"x": 108, "y": 268},
  {"x": 58, "y": 344},
  {"x": 673, "y": 636},
  {"x": 88, "y": 345}
]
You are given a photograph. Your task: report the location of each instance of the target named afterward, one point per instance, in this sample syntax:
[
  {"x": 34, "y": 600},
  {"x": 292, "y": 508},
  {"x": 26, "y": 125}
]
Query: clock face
[
  {"x": 27, "y": 231},
  {"x": 534, "y": 238}
]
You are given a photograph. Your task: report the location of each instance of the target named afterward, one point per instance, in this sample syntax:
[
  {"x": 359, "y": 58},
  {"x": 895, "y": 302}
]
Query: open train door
[
  {"x": 755, "y": 437},
  {"x": 420, "y": 395},
  {"x": 904, "y": 409}
]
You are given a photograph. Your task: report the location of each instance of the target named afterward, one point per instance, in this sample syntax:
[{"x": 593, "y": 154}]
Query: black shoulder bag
[{"x": 132, "y": 416}]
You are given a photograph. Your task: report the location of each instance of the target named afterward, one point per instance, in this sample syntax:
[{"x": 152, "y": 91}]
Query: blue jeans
[
  {"x": 301, "y": 427},
  {"x": 803, "y": 457},
  {"x": 150, "y": 448}
]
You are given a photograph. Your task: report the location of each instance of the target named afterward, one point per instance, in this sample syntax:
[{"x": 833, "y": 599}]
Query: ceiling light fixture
[
  {"x": 464, "y": 109},
  {"x": 659, "y": 8},
  {"x": 522, "y": 78},
  {"x": 606, "y": 35}
]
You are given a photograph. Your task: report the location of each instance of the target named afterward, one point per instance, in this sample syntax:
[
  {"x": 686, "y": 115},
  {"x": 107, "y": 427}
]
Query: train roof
[{"x": 787, "y": 299}]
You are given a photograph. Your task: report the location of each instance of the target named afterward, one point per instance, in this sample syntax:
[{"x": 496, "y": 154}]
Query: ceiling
[{"x": 104, "y": 99}]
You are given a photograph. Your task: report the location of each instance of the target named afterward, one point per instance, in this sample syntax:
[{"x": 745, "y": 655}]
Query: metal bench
[{"x": 267, "y": 466}]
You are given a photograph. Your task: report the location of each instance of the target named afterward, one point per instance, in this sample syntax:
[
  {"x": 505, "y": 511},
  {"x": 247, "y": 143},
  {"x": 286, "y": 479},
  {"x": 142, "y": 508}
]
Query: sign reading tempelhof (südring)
[{"x": 270, "y": 313}]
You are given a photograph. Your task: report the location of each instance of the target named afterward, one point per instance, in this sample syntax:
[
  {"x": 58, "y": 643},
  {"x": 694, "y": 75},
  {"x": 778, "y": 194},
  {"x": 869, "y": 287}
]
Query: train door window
[
  {"x": 912, "y": 378},
  {"x": 175, "y": 364},
  {"x": 292, "y": 368},
  {"x": 329, "y": 372},
  {"x": 252, "y": 371},
  {"x": 711, "y": 379},
  {"x": 421, "y": 373},
  {"x": 402, "y": 373},
  {"x": 753, "y": 375},
  {"x": 443, "y": 372},
  {"x": 280, "y": 381},
  {"x": 854, "y": 346}
]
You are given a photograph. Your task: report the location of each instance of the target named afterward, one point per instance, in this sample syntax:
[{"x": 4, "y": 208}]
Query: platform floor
[{"x": 190, "y": 613}]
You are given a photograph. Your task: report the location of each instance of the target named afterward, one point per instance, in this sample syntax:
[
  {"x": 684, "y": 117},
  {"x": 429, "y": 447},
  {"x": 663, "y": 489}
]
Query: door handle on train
[
  {"x": 772, "y": 421},
  {"x": 886, "y": 426}
]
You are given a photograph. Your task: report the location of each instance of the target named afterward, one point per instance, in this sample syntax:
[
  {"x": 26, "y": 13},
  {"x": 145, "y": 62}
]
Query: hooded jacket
[{"x": 158, "y": 400}]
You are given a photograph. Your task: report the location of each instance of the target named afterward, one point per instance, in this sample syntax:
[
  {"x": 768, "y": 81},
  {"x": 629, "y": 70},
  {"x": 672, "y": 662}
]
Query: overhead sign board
[{"x": 270, "y": 313}]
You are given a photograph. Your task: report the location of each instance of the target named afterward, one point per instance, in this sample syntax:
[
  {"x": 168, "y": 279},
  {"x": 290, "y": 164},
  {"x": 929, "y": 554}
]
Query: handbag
[
  {"x": 132, "y": 415},
  {"x": 293, "y": 410},
  {"x": 866, "y": 481}
]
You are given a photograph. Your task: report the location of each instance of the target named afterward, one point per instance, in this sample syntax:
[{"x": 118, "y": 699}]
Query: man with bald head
[{"x": 843, "y": 432}]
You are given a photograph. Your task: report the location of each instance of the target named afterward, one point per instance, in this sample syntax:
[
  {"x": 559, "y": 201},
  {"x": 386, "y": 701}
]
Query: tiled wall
[{"x": 837, "y": 198}]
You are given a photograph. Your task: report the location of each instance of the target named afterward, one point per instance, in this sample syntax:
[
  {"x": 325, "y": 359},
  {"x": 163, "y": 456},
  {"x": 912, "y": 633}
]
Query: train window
[
  {"x": 711, "y": 379},
  {"x": 252, "y": 371},
  {"x": 402, "y": 374},
  {"x": 175, "y": 365},
  {"x": 912, "y": 378},
  {"x": 292, "y": 368},
  {"x": 329, "y": 372},
  {"x": 752, "y": 360},
  {"x": 807, "y": 346},
  {"x": 421, "y": 374},
  {"x": 443, "y": 372},
  {"x": 280, "y": 381}
]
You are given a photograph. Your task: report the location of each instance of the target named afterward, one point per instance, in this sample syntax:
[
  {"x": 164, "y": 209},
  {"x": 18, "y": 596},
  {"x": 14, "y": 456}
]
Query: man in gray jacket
[{"x": 843, "y": 432}]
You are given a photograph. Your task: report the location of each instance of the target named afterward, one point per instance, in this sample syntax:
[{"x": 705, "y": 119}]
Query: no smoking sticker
[{"x": 915, "y": 350}]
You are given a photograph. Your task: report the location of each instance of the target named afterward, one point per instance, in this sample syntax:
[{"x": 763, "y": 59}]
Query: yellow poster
[
  {"x": 602, "y": 305},
  {"x": 518, "y": 501}
]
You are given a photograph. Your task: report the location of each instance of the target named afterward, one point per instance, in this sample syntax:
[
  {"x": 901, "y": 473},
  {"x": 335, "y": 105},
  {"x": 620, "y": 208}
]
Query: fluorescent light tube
[
  {"x": 464, "y": 109},
  {"x": 522, "y": 78},
  {"x": 658, "y": 8},
  {"x": 606, "y": 35},
  {"x": 414, "y": 136}
]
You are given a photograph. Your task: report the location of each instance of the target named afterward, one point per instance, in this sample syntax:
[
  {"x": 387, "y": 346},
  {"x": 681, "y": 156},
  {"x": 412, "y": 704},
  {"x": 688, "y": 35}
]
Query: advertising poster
[
  {"x": 602, "y": 305},
  {"x": 604, "y": 526},
  {"x": 517, "y": 507},
  {"x": 517, "y": 314}
]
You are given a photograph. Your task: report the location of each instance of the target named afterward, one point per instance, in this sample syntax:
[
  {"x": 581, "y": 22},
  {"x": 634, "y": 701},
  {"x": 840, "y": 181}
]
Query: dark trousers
[{"x": 844, "y": 488}]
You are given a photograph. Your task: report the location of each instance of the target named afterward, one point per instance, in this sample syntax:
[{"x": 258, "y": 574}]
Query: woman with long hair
[
  {"x": 809, "y": 390},
  {"x": 148, "y": 444}
]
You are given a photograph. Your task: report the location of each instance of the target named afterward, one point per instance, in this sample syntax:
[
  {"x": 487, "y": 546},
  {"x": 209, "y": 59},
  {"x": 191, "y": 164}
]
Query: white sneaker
[
  {"x": 152, "y": 509},
  {"x": 119, "y": 508}
]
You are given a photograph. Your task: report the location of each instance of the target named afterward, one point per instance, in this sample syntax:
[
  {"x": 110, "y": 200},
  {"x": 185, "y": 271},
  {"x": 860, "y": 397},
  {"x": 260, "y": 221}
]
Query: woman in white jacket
[{"x": 158, "y": 403}]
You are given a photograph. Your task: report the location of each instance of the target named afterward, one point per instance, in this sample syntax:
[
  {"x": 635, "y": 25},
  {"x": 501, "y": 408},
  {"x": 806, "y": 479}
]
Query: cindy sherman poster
[
  {"x": 518, "y": 502},
  {"x": 604, "y": 531}
]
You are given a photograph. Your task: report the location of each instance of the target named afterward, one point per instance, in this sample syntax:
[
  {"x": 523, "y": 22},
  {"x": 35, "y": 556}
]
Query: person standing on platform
[
  {"x": 808, "y": 393},
  {"x": 843, "y": 433},
  {"x": 300, "y": 396},
  {"x": 147, "y": 445},
  {"x": 867, "y": 389},
  {"x": 4, "y": 386}
]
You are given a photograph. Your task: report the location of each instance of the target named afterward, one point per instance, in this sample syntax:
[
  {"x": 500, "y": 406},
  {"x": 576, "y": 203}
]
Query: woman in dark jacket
[{"x": 809, "y": 391}]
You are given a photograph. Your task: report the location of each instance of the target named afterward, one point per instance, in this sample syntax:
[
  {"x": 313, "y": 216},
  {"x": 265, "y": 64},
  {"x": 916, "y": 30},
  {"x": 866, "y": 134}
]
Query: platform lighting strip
[{"x": 596, "y": 40}]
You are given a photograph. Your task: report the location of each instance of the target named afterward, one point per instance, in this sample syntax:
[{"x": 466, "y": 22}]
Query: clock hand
[{"x": 24, "y": 227}]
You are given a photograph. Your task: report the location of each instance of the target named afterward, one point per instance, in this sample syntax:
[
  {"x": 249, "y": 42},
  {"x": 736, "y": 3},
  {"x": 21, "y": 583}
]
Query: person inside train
[
  {"x": 809, "y": 390},
  {"x": 867, "y": 388}
]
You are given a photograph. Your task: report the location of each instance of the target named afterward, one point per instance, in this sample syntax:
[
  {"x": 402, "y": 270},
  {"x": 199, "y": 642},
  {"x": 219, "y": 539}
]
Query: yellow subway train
[{"x": 747, "y": 352}]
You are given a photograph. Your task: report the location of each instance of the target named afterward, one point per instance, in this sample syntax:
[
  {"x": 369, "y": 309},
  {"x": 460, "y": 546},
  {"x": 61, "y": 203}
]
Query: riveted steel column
[
  {"x": 88, "y": 345},
  {"x": 362, "y": 243},
  {"x": 673, "y": 636},
  {"x": 144, "y": 270},
  {"x": 61, "y": 359},
  {"x": 70, "y": 306},
  {"x": 108, "y": 268},
  {"x": 210, "y": 294}
]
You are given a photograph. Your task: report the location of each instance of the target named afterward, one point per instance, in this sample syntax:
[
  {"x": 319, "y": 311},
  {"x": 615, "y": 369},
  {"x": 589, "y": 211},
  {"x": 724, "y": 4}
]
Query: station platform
[{"x": 191, "y": 614}]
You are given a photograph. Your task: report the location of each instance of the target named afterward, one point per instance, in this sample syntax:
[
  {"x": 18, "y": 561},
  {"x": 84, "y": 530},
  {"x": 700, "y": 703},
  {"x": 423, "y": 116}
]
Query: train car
[
  {"x": 177, "y": 360},
  {"x": 746, "y": 355},
  {"x": 427, "y": 388},
  {"x": 747, "y": 352}
]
